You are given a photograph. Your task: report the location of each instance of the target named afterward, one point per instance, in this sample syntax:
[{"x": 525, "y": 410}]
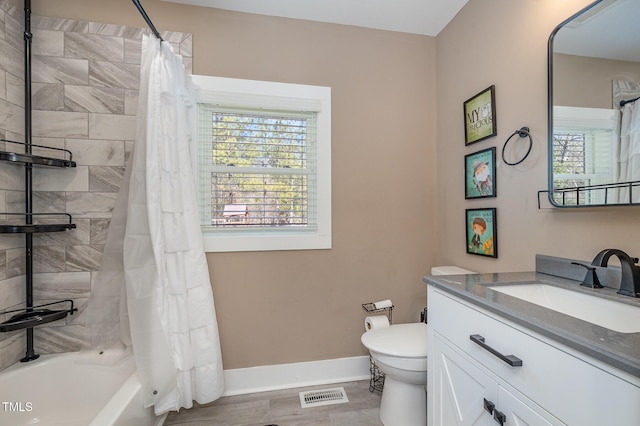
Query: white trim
[
  {"x": 591, "y": 118},
  {"x": 237, "y": 92},
  {"x": 287, "y": 97},
  {"x": 287, "y": 376}
]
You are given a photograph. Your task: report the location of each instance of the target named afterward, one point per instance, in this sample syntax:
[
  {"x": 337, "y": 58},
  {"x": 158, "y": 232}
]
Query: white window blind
[{"x": 260, "y": 168}]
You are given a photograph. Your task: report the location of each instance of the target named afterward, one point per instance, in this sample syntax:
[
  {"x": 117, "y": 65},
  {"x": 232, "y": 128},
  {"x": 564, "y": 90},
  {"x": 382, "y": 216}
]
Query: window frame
[
  {"x": 240, "y": 93},
  {"x": 590, "y": 121}
]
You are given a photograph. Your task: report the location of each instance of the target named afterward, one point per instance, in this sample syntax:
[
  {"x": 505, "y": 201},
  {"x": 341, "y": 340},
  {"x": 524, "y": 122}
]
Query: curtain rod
[
  {"x": 629, "y": 101},
  {"x": 146, "y": 18}
]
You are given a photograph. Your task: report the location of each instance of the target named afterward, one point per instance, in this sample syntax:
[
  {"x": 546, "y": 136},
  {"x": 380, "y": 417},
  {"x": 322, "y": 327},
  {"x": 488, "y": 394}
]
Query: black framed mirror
[{"x": 594, "y": 119}]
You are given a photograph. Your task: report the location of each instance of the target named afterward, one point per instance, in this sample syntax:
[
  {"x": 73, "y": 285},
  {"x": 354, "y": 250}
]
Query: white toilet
[{"x": 400, "y": 351}]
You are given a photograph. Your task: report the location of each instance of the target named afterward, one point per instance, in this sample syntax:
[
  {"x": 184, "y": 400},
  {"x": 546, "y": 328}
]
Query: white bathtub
[{"x": 63, "y": 389}]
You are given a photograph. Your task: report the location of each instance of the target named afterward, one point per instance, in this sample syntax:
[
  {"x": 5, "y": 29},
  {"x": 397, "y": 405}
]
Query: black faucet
[{"x": 630, "y": 282}]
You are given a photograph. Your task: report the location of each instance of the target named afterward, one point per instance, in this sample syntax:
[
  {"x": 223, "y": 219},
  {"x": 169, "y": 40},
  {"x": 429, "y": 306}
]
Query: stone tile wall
[
  {"x": 84, "y": 98},
  {"x": 12, "y": 346}
]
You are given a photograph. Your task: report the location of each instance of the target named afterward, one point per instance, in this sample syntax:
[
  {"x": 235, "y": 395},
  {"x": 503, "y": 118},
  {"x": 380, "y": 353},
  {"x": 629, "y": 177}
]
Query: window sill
[{"x": 240, "y": 243}]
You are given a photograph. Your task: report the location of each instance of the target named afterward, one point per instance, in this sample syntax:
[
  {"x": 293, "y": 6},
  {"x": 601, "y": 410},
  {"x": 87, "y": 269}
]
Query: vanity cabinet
[
  {"x": 466, "y": 394},
  {"x": 471, "y": 380}
]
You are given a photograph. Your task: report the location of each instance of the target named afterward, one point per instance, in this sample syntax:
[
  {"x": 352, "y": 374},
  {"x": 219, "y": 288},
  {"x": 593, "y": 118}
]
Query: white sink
[{"x": 616, "y": 316}]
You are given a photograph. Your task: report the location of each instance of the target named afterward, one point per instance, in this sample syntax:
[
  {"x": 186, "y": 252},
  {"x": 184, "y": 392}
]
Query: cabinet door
[
  {"x": 518, "y": 413},
  {"x": 459, "y": 389}
]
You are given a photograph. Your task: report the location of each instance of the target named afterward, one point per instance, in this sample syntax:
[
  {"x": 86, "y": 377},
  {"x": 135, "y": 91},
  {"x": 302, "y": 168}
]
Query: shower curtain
[
  {"x": 172, "y": 317},
  {"x": 629, "y": 151}
]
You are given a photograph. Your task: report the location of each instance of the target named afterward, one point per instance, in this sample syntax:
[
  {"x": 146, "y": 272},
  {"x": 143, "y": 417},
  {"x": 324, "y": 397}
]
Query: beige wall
[
  {"x": 292, "y": 306},
  {"x": 573, "y": 73},
  {"x": 503, "y": 42}
]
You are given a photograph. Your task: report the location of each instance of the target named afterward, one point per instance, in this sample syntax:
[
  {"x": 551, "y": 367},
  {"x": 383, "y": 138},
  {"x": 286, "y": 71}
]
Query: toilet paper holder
[
  {"x": 376, "y": 382},
  {"x": 370, "y": 308}
]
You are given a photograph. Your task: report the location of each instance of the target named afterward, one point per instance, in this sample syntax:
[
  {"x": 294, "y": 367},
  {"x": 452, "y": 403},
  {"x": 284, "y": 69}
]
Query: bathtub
[{"x": 73, "y": 389}]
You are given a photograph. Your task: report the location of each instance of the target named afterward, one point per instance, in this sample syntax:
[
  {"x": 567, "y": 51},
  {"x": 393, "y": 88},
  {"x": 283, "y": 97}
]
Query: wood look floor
[{"x": 282, "y": 408}]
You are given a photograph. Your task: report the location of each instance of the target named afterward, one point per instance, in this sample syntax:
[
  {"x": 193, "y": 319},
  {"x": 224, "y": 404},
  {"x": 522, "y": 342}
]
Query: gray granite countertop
[{"x": 620, "y": 350}]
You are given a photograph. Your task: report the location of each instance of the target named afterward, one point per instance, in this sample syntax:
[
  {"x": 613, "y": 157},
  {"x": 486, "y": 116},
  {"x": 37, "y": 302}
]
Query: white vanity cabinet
[
  {"x": 472, "y": 383},
  {"x": 465, "y": 394}
]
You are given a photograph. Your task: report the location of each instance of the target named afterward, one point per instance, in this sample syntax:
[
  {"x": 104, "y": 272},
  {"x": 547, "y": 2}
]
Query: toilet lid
[{"x": 406, "y": 340}]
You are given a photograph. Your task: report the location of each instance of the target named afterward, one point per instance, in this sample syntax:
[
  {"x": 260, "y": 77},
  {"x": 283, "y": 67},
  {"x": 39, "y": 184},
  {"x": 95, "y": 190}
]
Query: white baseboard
[{"x": 286, "y": 376}]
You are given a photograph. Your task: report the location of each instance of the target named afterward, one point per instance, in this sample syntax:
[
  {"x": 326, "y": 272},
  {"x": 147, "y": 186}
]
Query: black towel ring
[{"x": 523, "y": 133}]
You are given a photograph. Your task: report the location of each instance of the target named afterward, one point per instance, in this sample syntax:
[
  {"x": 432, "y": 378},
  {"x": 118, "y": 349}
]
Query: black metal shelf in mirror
[
  {"x": 572, "y": 196},
  {"x": 590, "y": 152}
]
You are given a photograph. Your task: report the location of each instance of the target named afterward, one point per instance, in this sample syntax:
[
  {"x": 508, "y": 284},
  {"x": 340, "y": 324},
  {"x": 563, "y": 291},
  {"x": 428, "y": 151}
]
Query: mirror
[{"x": 593, "y": 66}]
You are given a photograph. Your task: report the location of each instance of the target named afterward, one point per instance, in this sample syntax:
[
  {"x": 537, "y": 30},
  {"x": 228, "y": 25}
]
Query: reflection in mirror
[{"x": 594, "y": 122}]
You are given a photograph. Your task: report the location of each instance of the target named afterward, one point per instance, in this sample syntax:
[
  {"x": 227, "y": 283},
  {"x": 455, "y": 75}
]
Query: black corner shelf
[
  {"x": 35, "y": 229},
  {"x": 36, "y": 315},
  {"x": 38, "y": 160},
  {"x": 31, "y": 222},
  {"x": 31, "y": 228},
  {"x": 35, "y": 159}
]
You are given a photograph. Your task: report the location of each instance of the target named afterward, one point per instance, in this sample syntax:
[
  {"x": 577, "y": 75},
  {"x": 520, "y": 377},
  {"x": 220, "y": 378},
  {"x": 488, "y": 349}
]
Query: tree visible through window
[
  {"x": 569, "y": 160},
  {"x": 261, "y": 167},
  {"x": 569, "y": 156}
]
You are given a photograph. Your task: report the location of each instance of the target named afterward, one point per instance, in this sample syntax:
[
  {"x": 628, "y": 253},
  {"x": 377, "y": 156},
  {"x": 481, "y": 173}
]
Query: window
[
  {"x": 584, "y": 141},
  {"x": 264, "y": 176}
]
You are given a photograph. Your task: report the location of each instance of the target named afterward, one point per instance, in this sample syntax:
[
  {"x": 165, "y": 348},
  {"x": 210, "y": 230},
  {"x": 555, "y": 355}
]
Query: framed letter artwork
[{"x": 480, "y": 116}]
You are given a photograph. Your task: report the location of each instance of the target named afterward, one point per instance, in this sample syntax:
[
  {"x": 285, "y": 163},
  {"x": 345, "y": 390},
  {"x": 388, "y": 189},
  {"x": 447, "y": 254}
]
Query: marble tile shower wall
[
  {"x": 11, "y": 178},
  {"x": 85, "y": 80}
]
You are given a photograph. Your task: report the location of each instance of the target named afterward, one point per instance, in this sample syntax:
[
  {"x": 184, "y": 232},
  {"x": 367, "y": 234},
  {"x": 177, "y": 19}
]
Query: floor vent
[{"x": 323, "y": 397}]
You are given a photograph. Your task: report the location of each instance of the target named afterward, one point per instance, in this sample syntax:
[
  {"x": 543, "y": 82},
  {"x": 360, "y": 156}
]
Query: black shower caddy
[{"x": 33, "y": 223}]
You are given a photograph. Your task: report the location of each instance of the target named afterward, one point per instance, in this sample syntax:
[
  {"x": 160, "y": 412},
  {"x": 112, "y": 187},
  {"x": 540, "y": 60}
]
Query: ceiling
[
  {"x": 426, "y": 17},
  {"x": 608, "y": 30}
]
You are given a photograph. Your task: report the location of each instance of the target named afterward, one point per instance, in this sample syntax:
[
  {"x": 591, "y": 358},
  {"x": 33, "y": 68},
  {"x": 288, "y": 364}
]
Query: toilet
[{"x": 400, "y": 351}]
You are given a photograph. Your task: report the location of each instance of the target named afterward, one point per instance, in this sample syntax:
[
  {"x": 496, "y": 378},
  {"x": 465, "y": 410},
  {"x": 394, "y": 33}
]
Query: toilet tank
[{"x": 449, "y": 270}]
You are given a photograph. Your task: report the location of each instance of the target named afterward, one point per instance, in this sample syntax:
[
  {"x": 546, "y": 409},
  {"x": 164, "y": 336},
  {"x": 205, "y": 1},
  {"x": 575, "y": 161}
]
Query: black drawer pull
[
  {"x": 499, "y": 417},
  {"x": 512, "y": 360},
  {"x": 489, "y": 406}
]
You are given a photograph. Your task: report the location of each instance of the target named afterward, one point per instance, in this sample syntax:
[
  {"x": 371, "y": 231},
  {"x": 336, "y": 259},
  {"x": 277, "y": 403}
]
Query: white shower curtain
[
  {"x": 629, "y": 151},
  {"x": 174, "y": 330}
]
